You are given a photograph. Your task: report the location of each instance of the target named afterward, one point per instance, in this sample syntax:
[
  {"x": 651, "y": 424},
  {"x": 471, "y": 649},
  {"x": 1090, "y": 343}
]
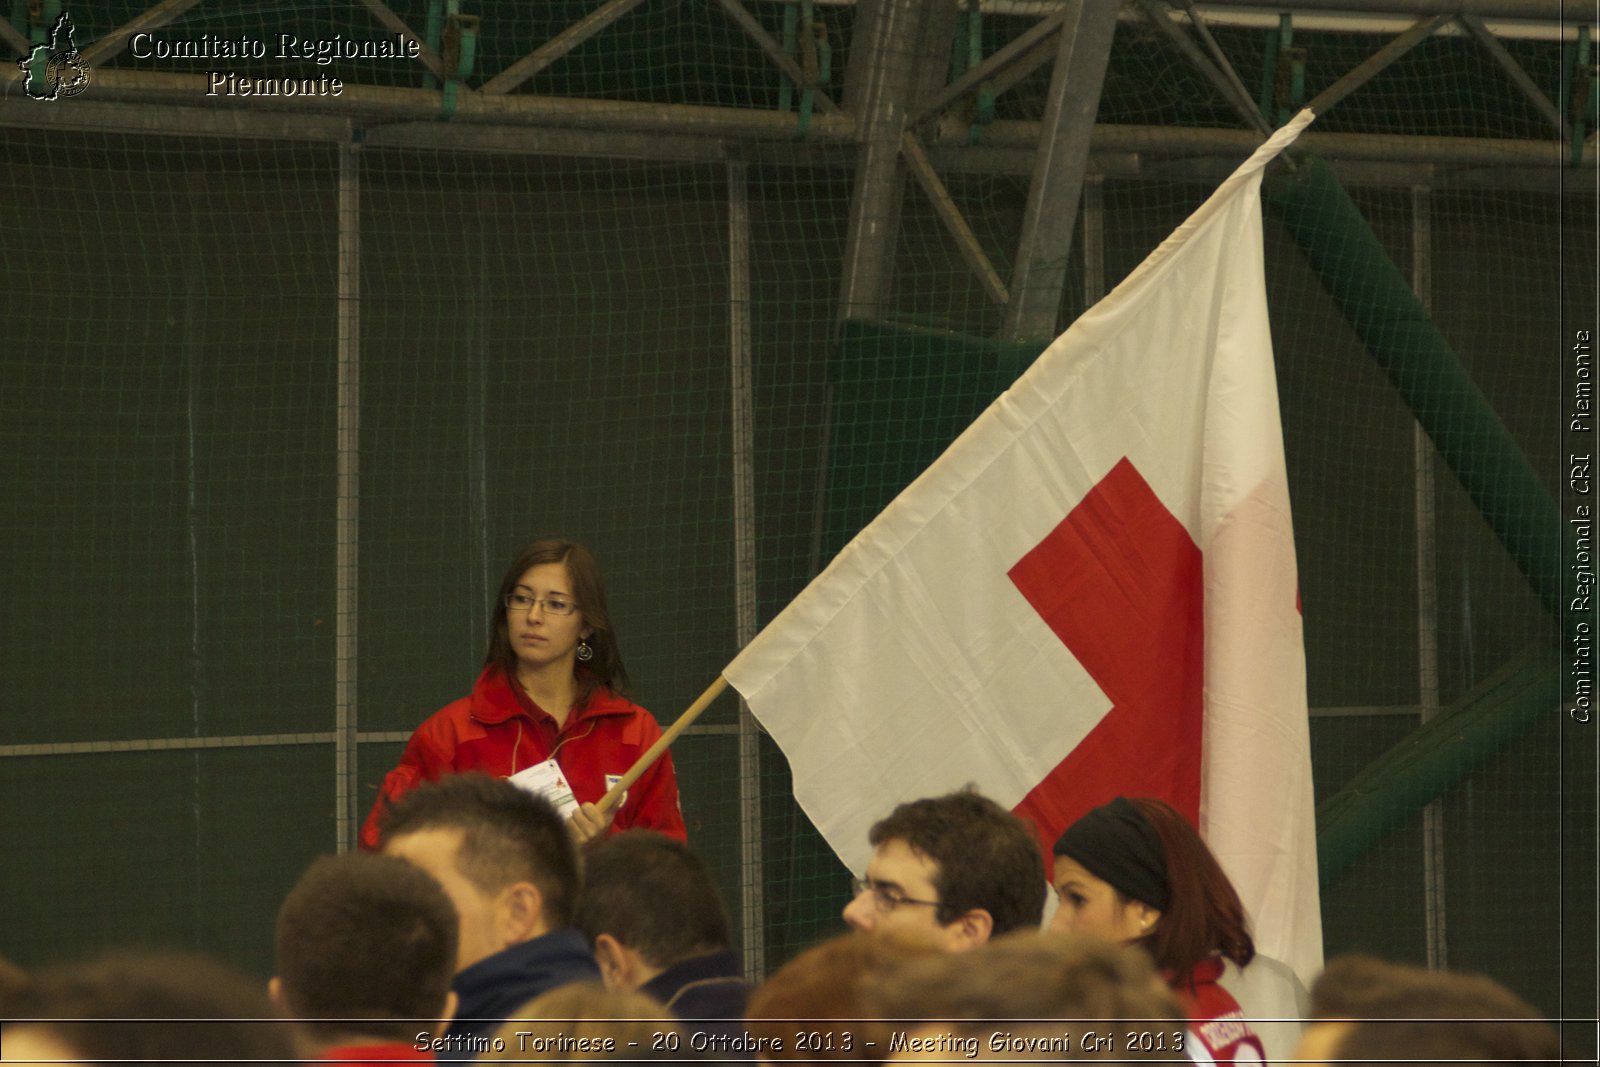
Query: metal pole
[
  {"x": 113, "y": 43},
  {"x": 1094, "y": 240},
  {"x": 137, "y": 103},
  {"x": 1518, "y": 76},
  {"x": 752, "y": 903},
  {"x": 1217, "y": 69},
  {"x": 1060, "y": 162},
  {"x": 879, "y": 85},
  {"x": 193, "y": 351},
  {"x": 1376, "y": 63},
  {"x": 1433, "y": 870},
  {"x": 346, "y": 539},
  {"x": 991, "y": 67},
  {"x": 474, "y": 278},
  {"x": 1539, "y": 10},
  {"x": 558, "y": 46}
]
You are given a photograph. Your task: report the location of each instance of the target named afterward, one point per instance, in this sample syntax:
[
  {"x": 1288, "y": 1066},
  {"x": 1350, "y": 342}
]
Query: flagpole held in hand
[{"x": 653, "y": 753}]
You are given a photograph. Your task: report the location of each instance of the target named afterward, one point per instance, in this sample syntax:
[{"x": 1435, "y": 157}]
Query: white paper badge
[
  {"x": 546, "y": 780},
  {"x": 611, "y": 780}
]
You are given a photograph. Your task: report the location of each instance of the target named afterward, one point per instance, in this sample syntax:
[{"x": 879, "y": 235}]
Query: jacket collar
[
  {"x": 724, "y": 969},
  {"x": 722, "y": 964},
  {"x": 1206, "y": 972},
  {"x": 524, "y": 970},
  {"x": 496, "y": 700}
]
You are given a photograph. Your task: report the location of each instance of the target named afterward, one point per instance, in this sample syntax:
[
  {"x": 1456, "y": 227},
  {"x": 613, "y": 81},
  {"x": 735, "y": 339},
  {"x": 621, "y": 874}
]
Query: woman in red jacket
[
  {"x": 548, "y": 710},
  {"x": 1135, "y": 872}
]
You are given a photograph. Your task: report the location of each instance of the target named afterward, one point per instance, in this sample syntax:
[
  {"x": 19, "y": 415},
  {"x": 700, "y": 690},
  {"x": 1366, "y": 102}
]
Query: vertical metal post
[
  {"x": 347, "y": 526},
  {"x": 193, "y": 350},
  {"x": 1094, "y": 241},
  {"x": 1424, "y": 495},
  {"x": 1059, "y": 164},
  {"x": 880, "y": 82},
  {"x": 193, "y": 355},
  {"x": 752, "y": 904},
  {"x": 474, "y": 277}
]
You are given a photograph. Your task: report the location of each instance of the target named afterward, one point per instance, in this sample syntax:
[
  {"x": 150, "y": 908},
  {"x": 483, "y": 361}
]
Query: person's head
[
  {"x": 12, "y": 980},
  {"x": 585, "y": 1021},
  {"x": 959, "y": 865},
  {"x": 828, "y": 982},
  {"x": 1084, "y": 982},
  {"x": 120, "y": 1007},
  {"x": 1135, "y": 872},
  {"x": 1364, "y": 1008},
  {"x": 1358, "y": 986},
  {"x": 529, "y": 630},
  {"x": 503, "y": 855},
  {"x": 368, "y": 942},
  {"x": 648, "y": 903}
]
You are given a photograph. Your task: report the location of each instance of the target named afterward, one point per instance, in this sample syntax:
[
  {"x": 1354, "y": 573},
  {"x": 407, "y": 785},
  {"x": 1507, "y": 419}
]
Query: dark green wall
[{"x": 544, "y": 349}]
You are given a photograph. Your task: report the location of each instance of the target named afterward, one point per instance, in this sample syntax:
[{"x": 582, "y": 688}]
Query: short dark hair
[
  {"x": 1399, "y": 1012},
  {"x": 589, "y": 587},
  {"x": 12, "y": 981},
  {"x": 987, "y": 857},
  {"x": 1358, "y": 986},
  {"x": 120, "y": 1007},
  {"x": 1427, "y": 1042},
  {"x": 654, "y": 895},
  {"x": 507, "y": 835},
  {"x": 366, "y": 937}
]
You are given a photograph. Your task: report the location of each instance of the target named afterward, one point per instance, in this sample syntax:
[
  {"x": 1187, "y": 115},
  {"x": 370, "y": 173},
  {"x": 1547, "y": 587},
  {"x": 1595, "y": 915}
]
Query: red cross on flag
[{"x": 1091, "y": 592}]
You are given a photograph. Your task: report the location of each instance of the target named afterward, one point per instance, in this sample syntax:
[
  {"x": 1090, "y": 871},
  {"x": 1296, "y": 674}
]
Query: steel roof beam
[{"x": 1051, "y": 212}]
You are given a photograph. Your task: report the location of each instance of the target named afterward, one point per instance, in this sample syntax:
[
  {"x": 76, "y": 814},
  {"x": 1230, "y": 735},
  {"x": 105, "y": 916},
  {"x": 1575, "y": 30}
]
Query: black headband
[{"x": 1117, "y": 844}]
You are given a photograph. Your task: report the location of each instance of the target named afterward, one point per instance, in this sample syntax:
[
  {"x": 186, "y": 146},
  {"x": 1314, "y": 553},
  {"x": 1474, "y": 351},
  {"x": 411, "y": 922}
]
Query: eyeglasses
[
  {"x": 552, "y": 605},
  {"x": 886, "y": 896}
]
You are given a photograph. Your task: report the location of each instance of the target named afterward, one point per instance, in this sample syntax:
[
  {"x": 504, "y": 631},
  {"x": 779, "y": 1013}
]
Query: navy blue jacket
[
  {"x": 492, "y": 989},
  {"x": 707, "y": 992}
]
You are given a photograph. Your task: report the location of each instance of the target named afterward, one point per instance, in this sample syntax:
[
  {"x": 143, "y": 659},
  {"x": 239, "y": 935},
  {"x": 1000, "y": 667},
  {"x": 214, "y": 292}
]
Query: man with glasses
[{"x": 959, "y": 868}]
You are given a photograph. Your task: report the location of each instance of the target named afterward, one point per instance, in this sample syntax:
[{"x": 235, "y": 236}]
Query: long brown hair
[
  {"x": 589, "y": 587},
  {"x": 1203, "y": 916}
]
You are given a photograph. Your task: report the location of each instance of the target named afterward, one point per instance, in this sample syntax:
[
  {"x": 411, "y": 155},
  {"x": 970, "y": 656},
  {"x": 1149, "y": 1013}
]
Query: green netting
[{"x": 546, "y": 345}]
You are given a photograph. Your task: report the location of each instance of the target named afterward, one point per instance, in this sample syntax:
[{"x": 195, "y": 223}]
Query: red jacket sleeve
[
  {"x": 422, "y": 761},
  {"x": 653, "y": 800}
]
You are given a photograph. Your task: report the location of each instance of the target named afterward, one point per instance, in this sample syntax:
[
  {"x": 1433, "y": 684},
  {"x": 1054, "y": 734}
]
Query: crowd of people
[
  {"x": 506, "y": 908},
  {"x": 481, "y": 929}
]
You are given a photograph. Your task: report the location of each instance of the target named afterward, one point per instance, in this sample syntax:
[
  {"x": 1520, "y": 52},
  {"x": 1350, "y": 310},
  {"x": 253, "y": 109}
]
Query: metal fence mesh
[{"x": 545, "y": 347}]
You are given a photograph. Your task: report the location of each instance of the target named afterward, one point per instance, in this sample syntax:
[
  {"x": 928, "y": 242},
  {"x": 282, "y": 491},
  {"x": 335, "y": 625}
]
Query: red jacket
[
  {"x": 1215, "y": 1018},
  {"x": 499, "y": 731}
]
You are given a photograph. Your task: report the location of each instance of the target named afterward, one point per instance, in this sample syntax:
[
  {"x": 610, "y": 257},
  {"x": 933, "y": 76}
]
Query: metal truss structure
[{"x": 897, "y": 116}]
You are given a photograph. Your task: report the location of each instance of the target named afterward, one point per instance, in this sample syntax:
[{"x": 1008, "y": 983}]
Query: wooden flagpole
[{"x": 653, "y": 753}]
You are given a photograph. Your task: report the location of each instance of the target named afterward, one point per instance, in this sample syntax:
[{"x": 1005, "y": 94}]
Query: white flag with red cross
[{"x": 1092, "y": 592}]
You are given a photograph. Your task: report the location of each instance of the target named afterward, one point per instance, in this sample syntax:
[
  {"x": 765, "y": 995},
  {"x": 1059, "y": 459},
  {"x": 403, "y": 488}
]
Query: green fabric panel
[
  {"x": 902, "y": 394},
  {"x": 1433, "y": 758},
  {"x": 1374, "y": 297}
]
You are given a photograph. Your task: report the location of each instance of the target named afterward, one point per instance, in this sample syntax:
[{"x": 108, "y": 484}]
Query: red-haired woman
[
  {"x": 1135, "y": 872},
  {"x": 548, "y": 709}
]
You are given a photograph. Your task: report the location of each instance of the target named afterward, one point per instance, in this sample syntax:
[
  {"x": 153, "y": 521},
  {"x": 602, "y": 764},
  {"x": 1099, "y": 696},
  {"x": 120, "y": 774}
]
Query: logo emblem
[{"x": 55, "y": 71}]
